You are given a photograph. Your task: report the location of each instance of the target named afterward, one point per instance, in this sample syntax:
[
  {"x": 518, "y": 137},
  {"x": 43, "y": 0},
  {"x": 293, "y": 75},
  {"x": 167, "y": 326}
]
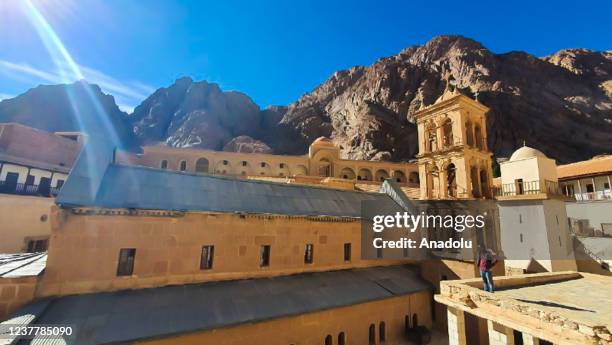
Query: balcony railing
[
  {"x": 23, "y": 189},
  {"x": 528, "y": 188},
  {"x": 598, "y": 195}
]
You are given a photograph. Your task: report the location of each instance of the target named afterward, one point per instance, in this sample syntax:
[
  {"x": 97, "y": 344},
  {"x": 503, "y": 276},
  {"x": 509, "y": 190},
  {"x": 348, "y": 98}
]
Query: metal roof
[
  {"x": 167, "y": 311},
  {"x": 22, "y": 264},
  {"x": 147, "y": 188}
]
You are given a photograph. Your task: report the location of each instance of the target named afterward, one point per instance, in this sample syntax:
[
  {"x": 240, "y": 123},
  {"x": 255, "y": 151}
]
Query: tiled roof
[
  {"x": 131, "y": 315},
  {"x": 595, "y": 166}
]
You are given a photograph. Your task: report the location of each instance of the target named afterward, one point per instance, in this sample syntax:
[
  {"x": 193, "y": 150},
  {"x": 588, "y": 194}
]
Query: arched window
[
  {"x": 329, "y": 340},
  {"x": 381, "y": 175},
  {"x": 372, "y": 335},
  {"x": 347, "y": 173},
  {"x": 451, "y": 183},
  {"x": 382, "y": 334},
  {"x": 364, "y": 175},
  {"x": 415, "y": 321},
  {"x": 183, "y": 166},
  {"x": 447, "y": 130},
  {"x": 202, "y": 165},
  {"x": 164, "y": 164},
  {"x": 341, "y": 339},
  {"x": 432, "y": 138},
  {"x": 407, "y": 323},
  {"x": 469, "y": 134},
  {"x": 475, "y": 182},
  {"x": 413, "y": 177},
  {"x": 484, "y": 183},
  {"x": 399, "y": 176},
  {"x": 478, "y": 137}
]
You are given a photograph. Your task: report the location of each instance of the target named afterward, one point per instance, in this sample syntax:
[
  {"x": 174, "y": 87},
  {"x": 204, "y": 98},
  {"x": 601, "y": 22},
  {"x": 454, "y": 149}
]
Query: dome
[
  {"x": 323, "y": 141},
  {"x": 526, "y": 152}
]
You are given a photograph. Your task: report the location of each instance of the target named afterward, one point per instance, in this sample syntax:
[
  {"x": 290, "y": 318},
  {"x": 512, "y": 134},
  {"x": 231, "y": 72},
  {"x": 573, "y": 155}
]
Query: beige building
[
  {"x": 323, "y": 160},
  {"x": 33, "y": 166},
  {"x": 535, "y": 236}
]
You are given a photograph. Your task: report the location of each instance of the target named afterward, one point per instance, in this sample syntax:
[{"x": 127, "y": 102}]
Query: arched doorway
[
  {"x": 382, "y": 332},
  {"x": 201, "y": 165},
  {"x": 434, "y": 182},
  {"x": 348, "y": 174},
  {"x": 451, "y": 181},
  {"x": 328, "y": 340},
  {"x": 381, "y": 175},
  {"x": 341, "y": 339}
]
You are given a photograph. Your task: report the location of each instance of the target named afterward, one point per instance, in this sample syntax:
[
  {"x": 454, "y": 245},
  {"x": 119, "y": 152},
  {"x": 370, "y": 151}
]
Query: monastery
[{"x": 190, "y": 246}]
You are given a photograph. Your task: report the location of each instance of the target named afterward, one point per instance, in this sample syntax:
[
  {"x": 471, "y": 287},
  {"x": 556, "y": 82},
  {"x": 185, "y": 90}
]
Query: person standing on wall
[{"x": 486, "y": 261}]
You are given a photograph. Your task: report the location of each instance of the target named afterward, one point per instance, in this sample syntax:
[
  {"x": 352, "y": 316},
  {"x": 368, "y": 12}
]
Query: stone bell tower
[{"x": 453, "y": 159}]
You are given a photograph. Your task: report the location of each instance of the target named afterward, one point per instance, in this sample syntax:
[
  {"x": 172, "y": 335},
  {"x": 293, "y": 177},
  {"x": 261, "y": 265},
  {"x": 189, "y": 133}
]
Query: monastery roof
[
  {"x": 323, "y": 141},
  {"x": 526, "y": 152},
  {"x": 155, "y": 189},
  {"x": 26, "y": 145},
  {"x": 597, "y": 165},
  {"x": 22, "y": 264},
  {"x": 131, "y": 315}
]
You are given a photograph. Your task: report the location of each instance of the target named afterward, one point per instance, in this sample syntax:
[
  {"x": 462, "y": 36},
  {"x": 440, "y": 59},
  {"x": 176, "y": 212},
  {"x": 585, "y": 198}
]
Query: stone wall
[
  {"x": 23, "y": 217},
  {"x": 312, "y": 328},
  {"x": 15, "y": 293},
  {"x": 84, "y": 248}
]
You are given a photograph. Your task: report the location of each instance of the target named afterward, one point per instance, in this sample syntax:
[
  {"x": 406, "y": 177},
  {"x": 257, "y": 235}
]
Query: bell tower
[{"x": 454, "y": 161}]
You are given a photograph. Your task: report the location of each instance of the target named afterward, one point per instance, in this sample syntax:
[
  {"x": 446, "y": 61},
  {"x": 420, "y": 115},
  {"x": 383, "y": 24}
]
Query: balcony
[{"x": 538, "y": 189}]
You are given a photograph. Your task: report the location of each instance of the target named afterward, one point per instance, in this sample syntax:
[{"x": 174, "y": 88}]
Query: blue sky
[{"x": 274, "y": 51}]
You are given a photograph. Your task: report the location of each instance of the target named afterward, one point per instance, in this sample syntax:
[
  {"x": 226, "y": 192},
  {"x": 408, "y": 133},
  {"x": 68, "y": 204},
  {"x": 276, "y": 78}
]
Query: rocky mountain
[
  {"x": 561, "y": 104},
  {"x": 60, "y": 107}
]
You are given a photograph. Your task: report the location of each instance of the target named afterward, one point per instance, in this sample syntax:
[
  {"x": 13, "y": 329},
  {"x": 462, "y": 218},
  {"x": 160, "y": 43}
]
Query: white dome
[{"x": 526, "y": 152}]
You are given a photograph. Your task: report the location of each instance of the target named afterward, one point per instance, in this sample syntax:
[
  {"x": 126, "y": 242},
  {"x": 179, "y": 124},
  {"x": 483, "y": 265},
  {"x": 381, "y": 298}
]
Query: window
[
  {"x": 372, "y": 335},
  {"x": 244, "y": 163},
  {"x": 379, "y": 253},
  {"x": 382, "y": 334},
  {"x": 206, "y": 261},
  {"x": 347, "y": 252},
  {"x": 264, "y": 256},
  {"x": 308, "y": 254},
  {"x": 328, "y": 340},
  {"x": 606, "y": 185},
  {"x": 521, "y": 238},
  {"x": 225, "y": 162},
  {"x": 183, "y": 166},
  {"x": 35, "y": 246},
  {"x": 262, "y": 164},
  {"x": 341, "y": 339},
  {"x": 126, "y": 262},
  {"x": 164, "y": 164},
  {"x": 520, "y": 218},
  {"x": 282, "y": 165},
  {"x": 405, "y": 252},
  {"x": 590, "y": 188}
]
